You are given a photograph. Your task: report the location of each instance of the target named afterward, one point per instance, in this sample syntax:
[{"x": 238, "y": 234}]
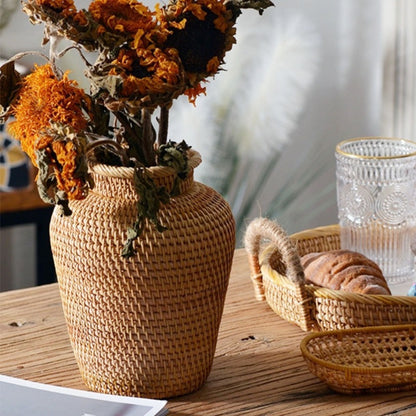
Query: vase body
[{"x": 145, "y": 325}]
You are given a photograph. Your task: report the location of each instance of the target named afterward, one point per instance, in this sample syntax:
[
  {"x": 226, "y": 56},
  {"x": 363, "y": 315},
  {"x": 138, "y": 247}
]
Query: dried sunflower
[
  {"x": 202, "y": 31},
  {"x": 141, "y": 78}
]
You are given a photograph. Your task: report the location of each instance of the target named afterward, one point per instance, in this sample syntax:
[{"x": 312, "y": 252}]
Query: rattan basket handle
[{"x": 263, "y": 228}]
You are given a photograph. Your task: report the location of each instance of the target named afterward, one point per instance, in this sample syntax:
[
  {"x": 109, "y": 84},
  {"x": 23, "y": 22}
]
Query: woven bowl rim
[{"x": 356, "y": 369}]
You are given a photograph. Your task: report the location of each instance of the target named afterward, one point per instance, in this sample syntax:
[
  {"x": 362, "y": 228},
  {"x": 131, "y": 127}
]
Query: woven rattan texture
[
  {"x": 146, "y": 325},
  {"x": 366, "y": 360},
  {"x": 312, "y": 307}
]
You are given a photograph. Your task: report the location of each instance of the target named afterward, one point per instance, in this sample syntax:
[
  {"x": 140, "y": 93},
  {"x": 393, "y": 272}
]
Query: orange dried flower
[
  {"x": 125, "y": 16},
  {"x": 44, "y": 102},
  {"x": 80, "y": 18},
  {"x": 65, "y": 167},
  {"x": 64, "y": 7},
  {"x": 44, "y": 98},
  {"x": 194, "y": 92}
]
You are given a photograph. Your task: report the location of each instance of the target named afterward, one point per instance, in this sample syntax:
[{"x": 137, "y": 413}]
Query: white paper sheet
[{"x": 26, "y": 398}]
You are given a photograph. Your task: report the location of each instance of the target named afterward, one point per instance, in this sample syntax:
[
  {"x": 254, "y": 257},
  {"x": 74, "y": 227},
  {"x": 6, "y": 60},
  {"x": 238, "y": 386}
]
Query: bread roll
[{"x": 344, "y": 270}]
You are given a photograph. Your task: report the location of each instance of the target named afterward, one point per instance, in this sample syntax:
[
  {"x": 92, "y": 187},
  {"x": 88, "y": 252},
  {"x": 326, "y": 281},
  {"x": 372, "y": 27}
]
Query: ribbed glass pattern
[{"x": 376, "y": 191}]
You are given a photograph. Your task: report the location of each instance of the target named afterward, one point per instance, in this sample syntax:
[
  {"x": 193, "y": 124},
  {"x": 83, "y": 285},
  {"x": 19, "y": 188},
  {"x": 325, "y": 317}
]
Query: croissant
[{"x": 344, "y": 270}]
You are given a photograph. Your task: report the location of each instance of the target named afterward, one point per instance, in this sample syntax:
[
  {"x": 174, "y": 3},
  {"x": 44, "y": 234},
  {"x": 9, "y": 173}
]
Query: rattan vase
[{"x": 147, "y": 325}]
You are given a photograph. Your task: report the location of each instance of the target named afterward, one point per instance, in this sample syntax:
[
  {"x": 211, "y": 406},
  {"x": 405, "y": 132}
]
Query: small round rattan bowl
[{"x": 278, "y": 278}]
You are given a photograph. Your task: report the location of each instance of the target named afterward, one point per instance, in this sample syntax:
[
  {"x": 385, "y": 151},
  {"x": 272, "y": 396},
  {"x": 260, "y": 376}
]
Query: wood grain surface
[{"x": 258, "y": 368}]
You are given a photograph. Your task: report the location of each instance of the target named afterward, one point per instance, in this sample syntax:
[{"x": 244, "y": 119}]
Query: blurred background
[{"x": 302, "y": 77}]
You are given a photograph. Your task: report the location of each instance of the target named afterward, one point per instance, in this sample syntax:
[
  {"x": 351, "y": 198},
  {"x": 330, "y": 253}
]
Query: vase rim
[{"x": 194, "y": 159}]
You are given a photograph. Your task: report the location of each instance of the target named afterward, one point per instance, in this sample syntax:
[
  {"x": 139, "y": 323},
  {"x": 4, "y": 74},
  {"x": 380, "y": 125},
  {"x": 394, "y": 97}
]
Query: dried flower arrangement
[{"x": 144, "y": 60}]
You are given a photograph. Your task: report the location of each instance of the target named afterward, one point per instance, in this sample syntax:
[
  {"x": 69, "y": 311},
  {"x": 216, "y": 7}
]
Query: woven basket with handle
[
  {"x": 145, "y": 325},
  {"x": 278, "y": 278}
]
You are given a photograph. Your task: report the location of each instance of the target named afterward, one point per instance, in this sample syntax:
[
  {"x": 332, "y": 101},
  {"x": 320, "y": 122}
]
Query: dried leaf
[
  {"x": 9, "y": 86},
  {"x": 151, "y": 198},
  {"x": 259, "y": 5},
  {"x": 174, "y": 155}
]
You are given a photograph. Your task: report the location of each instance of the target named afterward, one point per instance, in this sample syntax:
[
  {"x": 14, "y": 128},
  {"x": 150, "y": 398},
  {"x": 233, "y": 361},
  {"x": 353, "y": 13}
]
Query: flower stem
[
  {"x": 23, "y": 54},
  {"x": 53, "y": 42},
  {"x": 148, "y": 139},
  {"x": 105, "y": 142},
  {"x": 133, "y": 136},
  {"x": 163, "y": 125}
]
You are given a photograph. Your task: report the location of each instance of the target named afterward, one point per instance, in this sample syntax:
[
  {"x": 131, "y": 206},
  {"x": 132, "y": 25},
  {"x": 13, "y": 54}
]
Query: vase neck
[{"x": 117, "y": 181}]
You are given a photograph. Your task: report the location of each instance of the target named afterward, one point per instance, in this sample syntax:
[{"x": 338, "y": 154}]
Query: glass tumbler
[{"x": 376, "y": 195}]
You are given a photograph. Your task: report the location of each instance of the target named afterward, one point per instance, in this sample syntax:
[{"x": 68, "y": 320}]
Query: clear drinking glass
[{"x": 376, "y": 193}]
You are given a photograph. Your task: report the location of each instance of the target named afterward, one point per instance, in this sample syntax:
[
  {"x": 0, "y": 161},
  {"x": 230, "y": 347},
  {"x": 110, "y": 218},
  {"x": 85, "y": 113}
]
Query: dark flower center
[
  {"x": 138, "y": 71},
  {"x": 198, "y": 43}
]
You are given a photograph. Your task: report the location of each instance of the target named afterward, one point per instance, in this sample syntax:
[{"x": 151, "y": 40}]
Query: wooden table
[{"x": 258, "y": 368}]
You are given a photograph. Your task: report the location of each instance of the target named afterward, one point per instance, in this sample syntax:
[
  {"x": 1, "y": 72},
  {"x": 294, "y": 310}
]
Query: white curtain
[{"x": 399, "y": 80}]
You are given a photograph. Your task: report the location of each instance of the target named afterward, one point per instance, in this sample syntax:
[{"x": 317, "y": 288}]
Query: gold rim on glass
[{"x": 362, "y": 139}]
